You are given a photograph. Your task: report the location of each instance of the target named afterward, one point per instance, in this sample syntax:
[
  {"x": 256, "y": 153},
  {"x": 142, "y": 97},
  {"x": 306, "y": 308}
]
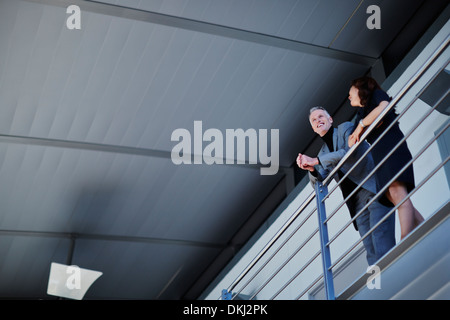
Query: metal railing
[{"x": 321, "y": 194}]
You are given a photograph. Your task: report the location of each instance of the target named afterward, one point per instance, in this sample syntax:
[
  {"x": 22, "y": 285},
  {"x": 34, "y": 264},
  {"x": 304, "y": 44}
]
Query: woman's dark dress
[{"x": 400, "y": 157}]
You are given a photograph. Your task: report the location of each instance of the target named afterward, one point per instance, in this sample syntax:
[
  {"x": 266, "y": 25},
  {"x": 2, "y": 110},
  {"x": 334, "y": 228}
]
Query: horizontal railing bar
[{"x": 309, "y": 287}]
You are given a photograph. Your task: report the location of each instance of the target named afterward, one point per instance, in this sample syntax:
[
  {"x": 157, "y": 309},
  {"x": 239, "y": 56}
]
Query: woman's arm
[{"x": 367, "y": 121}]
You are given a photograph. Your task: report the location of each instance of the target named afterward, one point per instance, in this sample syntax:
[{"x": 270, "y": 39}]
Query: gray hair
[{"x": 318, "y": 108}]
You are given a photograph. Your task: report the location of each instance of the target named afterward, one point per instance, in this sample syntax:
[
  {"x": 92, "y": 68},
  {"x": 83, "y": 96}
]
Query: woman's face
[{"x": 353, "y": 96}]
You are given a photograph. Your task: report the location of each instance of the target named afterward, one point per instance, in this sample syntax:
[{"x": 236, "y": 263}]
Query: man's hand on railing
[{"x": 306, "y": 163}]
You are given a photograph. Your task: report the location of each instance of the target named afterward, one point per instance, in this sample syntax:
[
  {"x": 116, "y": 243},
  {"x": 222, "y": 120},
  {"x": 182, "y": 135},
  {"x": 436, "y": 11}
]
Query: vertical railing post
[{"x": 321, "y": 192}]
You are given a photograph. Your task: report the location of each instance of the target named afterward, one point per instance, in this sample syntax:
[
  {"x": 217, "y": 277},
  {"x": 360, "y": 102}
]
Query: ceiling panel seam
[
  {"x": 87, "y": 146},
  {"x": 103, "y": 237}
]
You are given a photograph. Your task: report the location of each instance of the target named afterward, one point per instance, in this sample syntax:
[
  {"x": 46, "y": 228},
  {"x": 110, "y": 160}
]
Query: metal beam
[
  {"x": 46, "y": 142},
  {"x": 210, "y": 28},
  {"x": 99, "y": 147},
  {"x": 86, "y": 236}
]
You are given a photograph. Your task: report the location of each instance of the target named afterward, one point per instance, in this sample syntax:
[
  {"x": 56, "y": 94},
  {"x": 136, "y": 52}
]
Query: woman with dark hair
[{"x": 366, "y": 94}]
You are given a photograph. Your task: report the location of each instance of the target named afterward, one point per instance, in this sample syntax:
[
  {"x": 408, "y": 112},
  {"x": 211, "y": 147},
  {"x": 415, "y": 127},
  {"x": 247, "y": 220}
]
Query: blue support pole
[
  {"x": 321, "y": 192},
  {"x": 226, "y": 295}
]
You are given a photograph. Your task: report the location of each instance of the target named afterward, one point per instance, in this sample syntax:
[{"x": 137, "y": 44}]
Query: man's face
[{"x": 320, "y": 122}]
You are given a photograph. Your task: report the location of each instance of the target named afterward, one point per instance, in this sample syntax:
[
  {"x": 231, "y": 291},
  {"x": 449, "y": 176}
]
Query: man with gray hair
[{"x": 333, "y": 150}]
